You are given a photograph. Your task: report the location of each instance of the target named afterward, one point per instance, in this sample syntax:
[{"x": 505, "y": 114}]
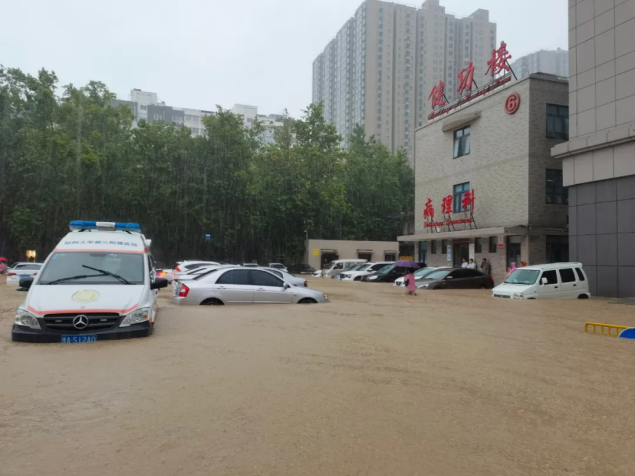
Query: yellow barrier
[{"x": 604, "y": 326}]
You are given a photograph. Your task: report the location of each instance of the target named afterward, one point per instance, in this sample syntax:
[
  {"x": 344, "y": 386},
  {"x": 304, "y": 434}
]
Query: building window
[
  {"x": 557, "y": 249},
  {"x": 433, "y": 247},
  {"x": 459, "y": 190},
  {"x": 462, "y": 142},
  {"x": 493, "y": 244},
  {"x": 444, "y": 246},
  {"x": 144, "y": 108},
  {"x": 478, "y": 245},
  {"x": 556, "y": 194},
  {"x": 557, "y": 122}
]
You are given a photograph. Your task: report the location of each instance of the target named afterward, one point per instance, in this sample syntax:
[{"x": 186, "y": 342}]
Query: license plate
[
  {"x": 22, "y": 276},
  {"x": 78, "y": 339}
]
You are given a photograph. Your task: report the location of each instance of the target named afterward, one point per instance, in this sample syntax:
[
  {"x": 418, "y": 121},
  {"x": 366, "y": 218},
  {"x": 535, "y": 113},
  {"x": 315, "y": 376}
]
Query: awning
[
  {"x": 364, "y": 251},
  {"x": 473, "y": 233},
  {"x": 391, "y": 251},
  {"x": 328, "y": 251}
]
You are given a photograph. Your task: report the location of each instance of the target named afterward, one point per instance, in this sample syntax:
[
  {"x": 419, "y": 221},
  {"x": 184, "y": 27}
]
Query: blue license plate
[
  {"x": 22, "y": 276},
  {"x": 78, "y": 339}
]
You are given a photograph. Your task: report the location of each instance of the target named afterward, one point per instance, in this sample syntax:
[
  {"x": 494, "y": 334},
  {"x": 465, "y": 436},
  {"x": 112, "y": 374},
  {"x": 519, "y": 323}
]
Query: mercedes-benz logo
[{"x": 80, "y": 322}]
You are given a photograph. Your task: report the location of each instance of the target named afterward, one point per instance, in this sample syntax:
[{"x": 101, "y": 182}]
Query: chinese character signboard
[
  {"x": 499, "y": 71},
  {"x": 466, "y": 206}
]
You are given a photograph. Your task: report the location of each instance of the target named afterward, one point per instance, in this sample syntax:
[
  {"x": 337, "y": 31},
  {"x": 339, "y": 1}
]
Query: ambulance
[{"x": 99, "y": 283}]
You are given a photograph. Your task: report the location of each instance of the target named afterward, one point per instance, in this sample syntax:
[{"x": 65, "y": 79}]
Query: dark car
[
  {"x": 387, "y": 274},
  {"x": 301, "y": 269},
  {"x": 458, "y": 278}
]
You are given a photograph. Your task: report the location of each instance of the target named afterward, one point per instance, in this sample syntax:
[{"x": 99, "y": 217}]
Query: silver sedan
[{"x": 243, "y": 286}]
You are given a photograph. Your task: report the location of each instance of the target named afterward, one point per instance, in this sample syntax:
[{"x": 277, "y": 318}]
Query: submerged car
[
  {"x": 546, "y": 281},
  {"x": 418, "y": 274},
  {"x": 301, "y": 269},
  {"x": 243, "y": 286},
  {"x": 364, "y": 270},
  {"x": 387, "y": 274},
  {"x": 20, "y": 271},
  {"x": 459, "y": 278}
]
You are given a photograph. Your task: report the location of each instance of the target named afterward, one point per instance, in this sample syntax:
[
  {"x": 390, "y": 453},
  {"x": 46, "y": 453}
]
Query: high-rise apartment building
[
  {"x": 543, "y": 61},
  {"x": 383, "y": 63}
]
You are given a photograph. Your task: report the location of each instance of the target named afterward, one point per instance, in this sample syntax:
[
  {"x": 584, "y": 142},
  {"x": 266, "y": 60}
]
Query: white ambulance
[{"x": 99, "y": 283}]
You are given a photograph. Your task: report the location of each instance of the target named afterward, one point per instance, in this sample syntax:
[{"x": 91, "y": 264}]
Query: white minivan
[
  {"x": 545, "y": 281},
  {"x": 336, "y": 267},
  {"x": 99, "y": 283}
]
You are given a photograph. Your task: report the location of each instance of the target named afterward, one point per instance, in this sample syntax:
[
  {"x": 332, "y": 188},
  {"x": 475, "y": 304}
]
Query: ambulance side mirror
[{"x": 159, "y": 283}]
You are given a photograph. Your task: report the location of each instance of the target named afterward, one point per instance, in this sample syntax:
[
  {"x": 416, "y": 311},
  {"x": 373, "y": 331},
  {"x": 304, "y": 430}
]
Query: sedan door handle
[
  {"x": 221, "y": 287},
  {"x": 260, "y": 289}
]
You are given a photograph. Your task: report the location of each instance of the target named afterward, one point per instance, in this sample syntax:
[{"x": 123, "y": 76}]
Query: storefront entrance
[
  {"x": 513, "y": 251},
  {"x": 460, "y": 251}
]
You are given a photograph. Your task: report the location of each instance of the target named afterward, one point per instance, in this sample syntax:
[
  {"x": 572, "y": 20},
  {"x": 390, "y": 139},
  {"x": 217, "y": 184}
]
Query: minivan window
[
  {"x": 567, "y": 275},
  {"x": 580, "y": 274},
  {"x": 523, "y": 276},
  {"x": 552, "y": 277},
  {"x": 76, "y": 265}
]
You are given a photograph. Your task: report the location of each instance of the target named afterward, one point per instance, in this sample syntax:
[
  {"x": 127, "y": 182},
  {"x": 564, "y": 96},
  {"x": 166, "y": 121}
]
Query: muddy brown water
[{"x": 374, "y": 383}]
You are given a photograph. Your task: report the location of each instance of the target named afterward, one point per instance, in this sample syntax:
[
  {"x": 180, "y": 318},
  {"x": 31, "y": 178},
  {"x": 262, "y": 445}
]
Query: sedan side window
[
  {"x": 472, "y": 273},
  {"x": 457, "y": 273},
  {"x": 262, "y": 278},
  {"x": 236, "y": 277},
  {"x": 551, "y": 276}
]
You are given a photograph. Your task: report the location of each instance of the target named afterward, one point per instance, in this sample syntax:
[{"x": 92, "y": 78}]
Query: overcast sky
[{"x": 199, "y": 53}]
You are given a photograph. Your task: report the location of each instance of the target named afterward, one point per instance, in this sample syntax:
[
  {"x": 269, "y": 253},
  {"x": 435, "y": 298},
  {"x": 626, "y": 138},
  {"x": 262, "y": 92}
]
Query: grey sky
[{"x": 199, "y": 53}]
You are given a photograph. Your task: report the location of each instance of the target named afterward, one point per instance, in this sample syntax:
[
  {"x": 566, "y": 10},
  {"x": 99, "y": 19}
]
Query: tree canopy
[{"x": 70, "y": 154}]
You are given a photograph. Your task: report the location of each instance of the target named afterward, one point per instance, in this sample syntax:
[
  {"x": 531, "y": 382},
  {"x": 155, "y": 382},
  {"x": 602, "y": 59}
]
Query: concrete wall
[{"x": 347, "y": 250}]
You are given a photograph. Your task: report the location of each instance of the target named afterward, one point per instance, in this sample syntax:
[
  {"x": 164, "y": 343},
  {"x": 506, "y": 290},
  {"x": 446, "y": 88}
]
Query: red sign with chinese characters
[
  {"x": 466, "y": 79},
  {"x": 467, "y": 205},
  {"x": 438, "y": 95},
  {"x": 498, "y": 63}
]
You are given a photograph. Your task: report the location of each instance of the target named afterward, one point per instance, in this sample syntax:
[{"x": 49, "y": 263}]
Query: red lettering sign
[
  {"x": 446, "y": 206},
  {"x": 512, "y": 103},
  {"x": 498, "y": 63},
  {"x": 466, "y": 79},
  {"x": 468, "y": 200},
  {"x": 448, "y": 221},
  {"x": 438, "y": 96},
  {"x": 428, "y": 211}
]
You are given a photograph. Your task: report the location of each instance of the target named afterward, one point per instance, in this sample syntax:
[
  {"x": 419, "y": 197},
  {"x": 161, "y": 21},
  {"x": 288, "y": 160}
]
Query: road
[{"x": 374, "y": 383}]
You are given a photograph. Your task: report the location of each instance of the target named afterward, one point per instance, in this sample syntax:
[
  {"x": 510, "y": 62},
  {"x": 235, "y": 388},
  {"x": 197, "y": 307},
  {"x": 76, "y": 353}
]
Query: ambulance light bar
[{"x": 104, "y": 225}]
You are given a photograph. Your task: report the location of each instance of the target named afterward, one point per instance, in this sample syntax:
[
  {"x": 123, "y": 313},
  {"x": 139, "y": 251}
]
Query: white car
[
  {"x": 419, "y": 274},
  {"x": 22, "y": 270},
  {"x": 98, "y": 284},
  {"x": 187, "y": 266},
  {"x": 251, "y": 265},
  {"x": 244, "y": 286},
  {"x": 196, "y": 272},
  {"x": 288, "y": 278},
  {"x": 279, "y": 266},
  {"x": 165, "y": 274},
  {"x": 545, "y": 281},
  {"x": 364, "y": 270}
]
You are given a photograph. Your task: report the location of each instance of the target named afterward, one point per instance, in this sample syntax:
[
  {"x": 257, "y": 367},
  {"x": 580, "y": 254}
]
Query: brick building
[{"x": 520, "y": 206}]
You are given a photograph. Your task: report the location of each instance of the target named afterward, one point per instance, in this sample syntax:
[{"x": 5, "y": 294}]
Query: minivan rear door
[{"x": 569, "y": 283}]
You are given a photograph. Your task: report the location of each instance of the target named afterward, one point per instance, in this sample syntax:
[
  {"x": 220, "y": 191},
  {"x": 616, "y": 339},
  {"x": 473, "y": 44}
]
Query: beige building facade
[
  {"x": 503, "y": 160},
  {"x": 599, "y": 158},
  {"x": 319, "y": 252},
  {"x": 383, "y": 63}
]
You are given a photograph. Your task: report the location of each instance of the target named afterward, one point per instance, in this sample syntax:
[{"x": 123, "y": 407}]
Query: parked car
[
  {"x": 301, "y": 269},
  {"x": 456, "y": 278},
  {"x": 203, "y": 270},
  {"x": 419, "y": 274},
  {"x": 317, "y": 273},
  {"x": 279, "y": 266},
  {"x": 20, "y": 271},
  {"x": 288, "y": 278},
  {"x": 545, "y": 281},
  {"x": 243, "y": 286},
  {"x": 364, "y": 270},
  {"x": 186, "y": 266},
  {"x": 387, "y": 274},
  {"x": 251, "y": 265},
  {"x": 165, "y": 274},
  {"x": 339, "y": 266}
]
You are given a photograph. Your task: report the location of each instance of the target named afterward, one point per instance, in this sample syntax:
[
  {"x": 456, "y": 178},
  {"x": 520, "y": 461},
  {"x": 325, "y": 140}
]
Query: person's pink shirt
[{"x": 411, "y": 281}]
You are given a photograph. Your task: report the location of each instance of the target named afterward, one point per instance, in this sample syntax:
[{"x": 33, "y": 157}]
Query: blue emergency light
[{"x": 104, "y": 225}]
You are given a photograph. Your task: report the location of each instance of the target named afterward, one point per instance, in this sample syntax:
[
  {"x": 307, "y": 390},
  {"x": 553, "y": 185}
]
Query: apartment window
[
  {"x": 478, "y": 245},
  {"x": 158, "y": 117},
  {"x": 433, "y": 247},
  {"x": 493, "y": 244},
  {"x": 557, "y": 122},
  {"x": 556, "y": 194},
  {"x": 459, "y": 191},
  {"x": 462, "y": 142},
  {"x": 143, "y": 108},
  {"x": 444, "y": 246}
]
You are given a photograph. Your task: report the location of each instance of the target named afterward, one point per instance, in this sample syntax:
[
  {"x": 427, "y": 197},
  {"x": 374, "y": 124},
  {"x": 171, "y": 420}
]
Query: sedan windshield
[
  {"x": 385, "y": 269},
  {"x": 438, "y": 274},
  {"x": 523, "y": 276},
  {"x": 93, "y": 268},
  {"x": 420, "y": 273}
]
